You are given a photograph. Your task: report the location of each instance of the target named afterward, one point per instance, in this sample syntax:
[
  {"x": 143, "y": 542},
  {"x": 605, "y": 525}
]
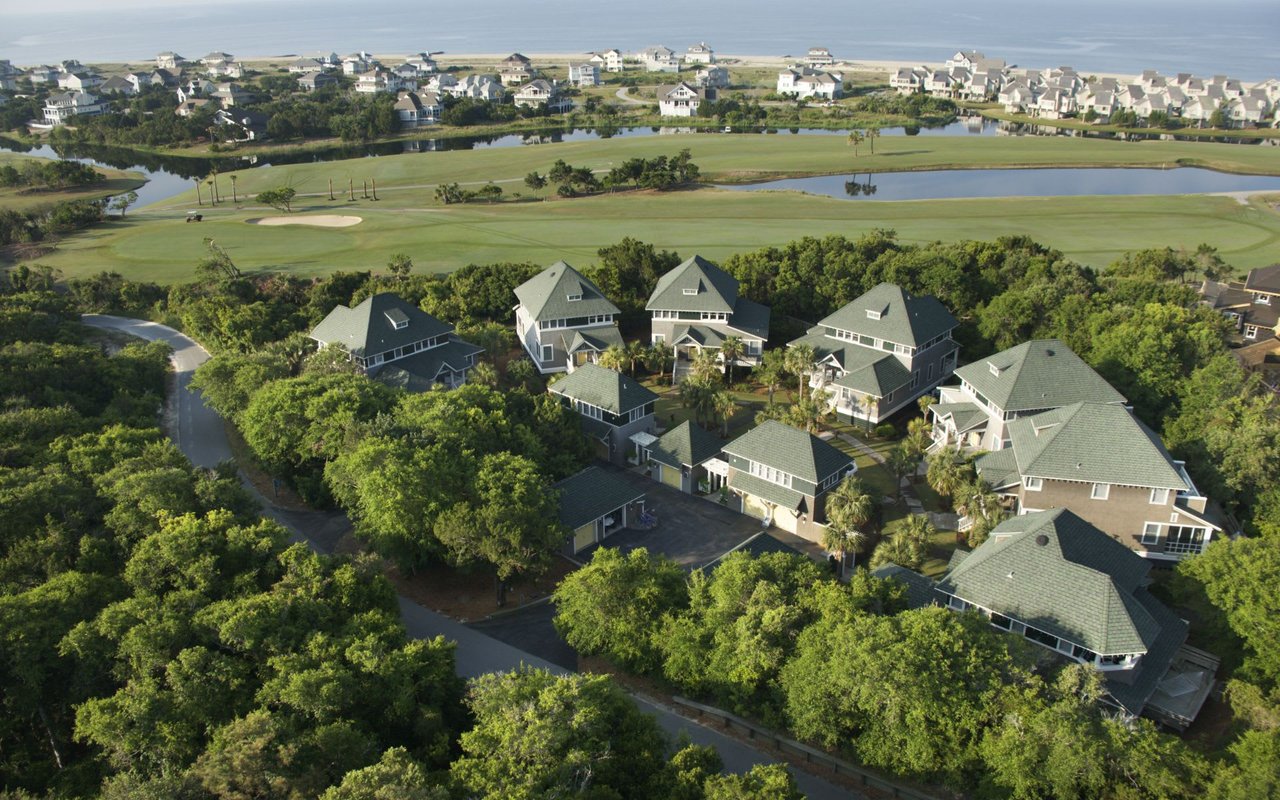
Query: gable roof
[
  {"x": 369, "y": 328},
  {"x": 1058, "y": 573},
  {"x": 712, "y": 289},
  {"x": 603, "y": 388},
  {"x": 903, "y": 317},
  {"x": 873, "y": 372},
  {"x": 418, "y": 372},
  {"x": 686, "y": 444},
  {"x": 1040, "y": 374},
  {"x": 1264, "y": 279},
  {"x": 592, "y": 493},
  {"x": 790, "y": 450},
  {"x": 1092, "y": 443},
  {"x": 546, "y": 295}
]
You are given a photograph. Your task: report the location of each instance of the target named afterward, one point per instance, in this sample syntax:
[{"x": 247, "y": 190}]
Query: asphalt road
[{"x": 198, "y": 432}]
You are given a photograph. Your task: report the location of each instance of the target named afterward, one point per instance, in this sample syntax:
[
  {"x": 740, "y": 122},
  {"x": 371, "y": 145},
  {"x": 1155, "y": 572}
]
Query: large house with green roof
[
  {"x": 1063, "y": 584},
  {"x": 1103, "y": 464},
  {"x": 397, "y": 343},
  {"x": 696, "y": 306},
  {"x": 563, "y": 320},
  {"x": 782, "y": 475},
  {"x": 1030, "y": 378},
  {"x": 617, "y": 411},
  {"x": 687, "y": 458},
  {"x": 595, "y": 504},
  {"x": 881, "y": 352}
]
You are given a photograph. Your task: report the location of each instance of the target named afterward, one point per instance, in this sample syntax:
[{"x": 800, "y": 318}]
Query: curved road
[{"x": 198, "y": 432}]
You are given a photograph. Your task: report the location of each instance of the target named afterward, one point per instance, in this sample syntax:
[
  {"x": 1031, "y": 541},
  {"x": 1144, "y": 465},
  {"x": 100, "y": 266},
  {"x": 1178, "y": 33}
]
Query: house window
[
  {"x": 572, "y": 298},
  {"x": 1151, "y": 533},
  {"x": 690, "y": 291},
  {"x": 1262, "y": 299},
  {"x": 956, "y": 603},
  {"x": 1100, "y": 491},
  {"x": 1032, "y": 484},
  {"x": 658, "y": 337},
  {"x": 1001, "y": 621},
  {"x": 867, "y": 341},
  {"x": 547, "y": 352},
  {"x": 932, "y": 367},
  {"x": 1251, "y": 331},
  {"x": 1159, "y": 497},
  {"x": 873, "y": 314},
  {"x": 770, "y": 474}
]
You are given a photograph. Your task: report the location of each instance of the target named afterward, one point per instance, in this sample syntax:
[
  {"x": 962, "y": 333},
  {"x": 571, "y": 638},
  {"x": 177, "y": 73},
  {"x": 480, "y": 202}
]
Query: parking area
[{"x": 690, "y": 531}]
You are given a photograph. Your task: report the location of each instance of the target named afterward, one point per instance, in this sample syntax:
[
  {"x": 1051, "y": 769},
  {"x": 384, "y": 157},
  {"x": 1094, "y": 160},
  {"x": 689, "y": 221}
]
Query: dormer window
[
  {"x": 690, "y": 291},
  {"x": 994, "y": 369},
  {"x": 573, "y": 298},
  {"x": 1262, "y": 299},
  {"x": 873, "y": 313},
  {"x": 398, "y": 319}
]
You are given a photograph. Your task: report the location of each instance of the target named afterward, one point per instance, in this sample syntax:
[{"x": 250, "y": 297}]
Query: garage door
[
  {"x": 785, "y": 520},
  {"x": 671, "y": 476},
  {"x": 584, "y": 537}
]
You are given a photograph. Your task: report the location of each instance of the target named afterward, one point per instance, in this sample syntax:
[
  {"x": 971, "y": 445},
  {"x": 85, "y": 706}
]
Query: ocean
[{"x": 1240, "y": 38}]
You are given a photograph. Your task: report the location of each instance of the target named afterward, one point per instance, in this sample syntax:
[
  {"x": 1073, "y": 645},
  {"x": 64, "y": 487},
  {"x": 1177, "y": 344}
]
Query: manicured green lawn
[{"x": 156, "y": 244}]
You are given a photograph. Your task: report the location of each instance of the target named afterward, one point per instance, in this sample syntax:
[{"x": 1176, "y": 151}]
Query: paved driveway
[{"x": 691, "y": 531}]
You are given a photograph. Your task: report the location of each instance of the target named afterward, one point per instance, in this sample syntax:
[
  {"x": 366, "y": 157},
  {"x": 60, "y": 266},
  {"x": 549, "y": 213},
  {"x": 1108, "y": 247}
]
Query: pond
[{"x": 960, "y": 183}]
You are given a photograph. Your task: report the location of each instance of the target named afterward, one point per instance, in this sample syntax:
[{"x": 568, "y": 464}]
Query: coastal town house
[
  {"x": 880, "y": 352},
  {"x": 819, "y": 57},
  {"x": 1026, "y": 379},
  {"x": 696, "y": 306},
  {"x": 782, "y": 476},
  {"x": 595, "y": 504},
  {"x": 311, "y": 81},
  {"x": 804, "y": 83},
  {"x": 700, "y": 53},
  {"x": 660, "y": 59},
  {"x": 1102, "y": 463},
  {"x": 584, "y": 74},
  {"x": 60, "y": 108},
  {"x": 563, "y": 320},
  {"x": 712, "y": 78},
  {"x": 397, "y": 343},
  {"x": 687, "y": 458},
  {"x": 415, "y": 109},
  {"x": 540, "y": 93},
  {"x": 1253, "y": 307},
  {"x": 608, "y": 61},
  {"x": 616, "y": 411},
  {"x": 169, "y": 60},
  {"x": 515, "y": 69},
  {"x": 681, "y": 99},
  {"x": 1064, "y": 585}
]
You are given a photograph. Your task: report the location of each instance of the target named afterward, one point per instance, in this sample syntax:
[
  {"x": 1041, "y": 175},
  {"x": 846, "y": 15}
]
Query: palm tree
[
  {"x": 771, "y": 370},
  {"x": 918, "y": 435},
  {"x": 808, "y": 413},
  {"x": 725, "y": 406},
  {"x": 484, "y": 374},
  {"x": 233, "y": 178},
  {"x": 700, "y": 398},
  {"x": 656, "y": 358},
  {"x": 872, "y": 134},
  {"x": 855, "y": 139},
  {"x": 944, "y": 473},
  {"x": 917, "y": 528},
  {"x": 634, "y": 352},
  {"x": 901, "y": 462},
  {"x": 849, "y": 509},
  {"x": 731, "y": 349},
  {"x": 869, "y": 404},
  {"x": 613, "y": 357},
  {"x": 705, "y": 367},
  {"x": 799, "y": 360}
]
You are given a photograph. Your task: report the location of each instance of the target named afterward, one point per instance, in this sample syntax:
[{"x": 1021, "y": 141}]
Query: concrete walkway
[{"x": 198, "y": 432}]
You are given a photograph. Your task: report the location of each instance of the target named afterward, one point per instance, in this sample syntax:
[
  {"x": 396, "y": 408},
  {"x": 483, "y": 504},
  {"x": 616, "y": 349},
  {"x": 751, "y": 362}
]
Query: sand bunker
[{"x": 318, "y": 220}]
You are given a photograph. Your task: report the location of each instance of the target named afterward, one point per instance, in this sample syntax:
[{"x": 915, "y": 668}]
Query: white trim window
[
  {"x": 1151, "y": 533},
  {"x": 548, "y": 353},
  {"x": 1032, "y": 484},
  {"x": 1100, "y": 491},
  {"x": 1262, "y": 299},
  {"x": 1251, "y": 331},
  {"x": 770, "y": 474},
  {"x": 690, "y": 292},
  {"x": 1159, "y": 497}
]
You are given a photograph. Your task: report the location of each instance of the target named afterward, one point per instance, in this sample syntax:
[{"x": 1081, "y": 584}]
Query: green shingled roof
[
  {"x": 603, "y": 388},
  {"x": 546, "y": 295},
  {"x": 597, "y": 339},
  {"x": 418, "y": 372},
  {"x": 780, "y": 496},
  {"x": 999, "y": 468},
  {"x": 867, "y": 370},
  {"x": 369, "y": 328},
  {"x": 591, "y": 494},
  {"x": 790, "y": 450},
  {"x": 712, "y": 289},
  {"x": 750, "y": 317},
  {"x": 965, "y": 415},
  {"x": 878, "y": 378},
  {"x": 686, "y": 444},
  {"x": 1062, "y": 575},
  {"x": 903, "y": 317},
  {"x": 1093, "y": 443},
  {"x": 1039, "y": 374}
]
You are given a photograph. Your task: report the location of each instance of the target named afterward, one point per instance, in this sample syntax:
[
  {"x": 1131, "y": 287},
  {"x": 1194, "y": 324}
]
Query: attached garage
[
  {"x": 680, "y": 452},
  {"x": 594, "y": 504},
  {"x": 671, "y": 476}
]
